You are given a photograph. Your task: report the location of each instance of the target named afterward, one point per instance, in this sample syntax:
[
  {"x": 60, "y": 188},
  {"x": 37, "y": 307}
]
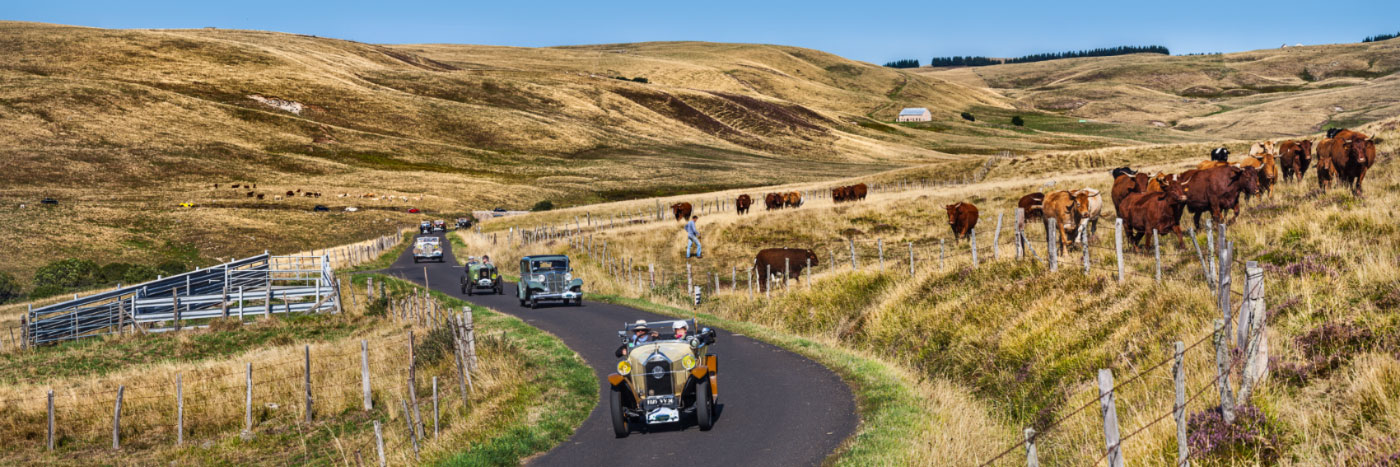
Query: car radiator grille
[
  {"x": 658, "y": 377},
  {"x": 554, "y": 283}
]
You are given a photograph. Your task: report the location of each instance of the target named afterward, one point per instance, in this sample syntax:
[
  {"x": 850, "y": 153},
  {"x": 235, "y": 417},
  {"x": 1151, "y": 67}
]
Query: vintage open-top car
[
  {"x": 439, "y": 225},
  {"x": 548, "y": 277},
  {"x": 425, "y": 227},
  {"x": 427, "y": 249},
  {"x": 481, "y": 275},
  {"x": 464, "y": 223},
  {"x": 665, "y": 377}
]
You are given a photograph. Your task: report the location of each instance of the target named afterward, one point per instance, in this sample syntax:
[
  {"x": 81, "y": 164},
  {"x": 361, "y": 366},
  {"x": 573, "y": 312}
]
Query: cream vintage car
[{"x": 661, "y": 381}]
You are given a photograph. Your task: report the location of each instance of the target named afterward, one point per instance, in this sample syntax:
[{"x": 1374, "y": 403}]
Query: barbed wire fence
[
  {"x": 1244, "y": 354},
  {"x": 377, "y": 376}
]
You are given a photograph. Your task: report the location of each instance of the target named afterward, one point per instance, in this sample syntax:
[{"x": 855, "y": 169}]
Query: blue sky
[{"x": 862, "y": 30}]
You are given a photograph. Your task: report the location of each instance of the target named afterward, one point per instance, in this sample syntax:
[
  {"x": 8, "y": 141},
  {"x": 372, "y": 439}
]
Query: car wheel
[
  {"x": 619, "y": 419},
  {"x": 467, "y": 290},
  {"x": 534, "y": 304},
  {"x": 704, "y": 405},
  {"x": 578, "y": 301}
]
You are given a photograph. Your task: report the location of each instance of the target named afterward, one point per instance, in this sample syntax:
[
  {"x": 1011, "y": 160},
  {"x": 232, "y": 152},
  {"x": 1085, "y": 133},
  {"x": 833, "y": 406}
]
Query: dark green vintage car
[{"x": 480, "y": 276}]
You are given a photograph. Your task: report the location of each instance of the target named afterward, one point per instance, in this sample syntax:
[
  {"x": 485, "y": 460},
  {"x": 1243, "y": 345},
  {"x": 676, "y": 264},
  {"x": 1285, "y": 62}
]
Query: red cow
[
  {"x": 1216, "y": 190},
  {"x": 741, "y": 205},
  {"x": 681, "y": 210},
  {"x": 962, "y": 217},
  {"x": 1294, "y": 158},
  {"x": 1160, "y": 211}
]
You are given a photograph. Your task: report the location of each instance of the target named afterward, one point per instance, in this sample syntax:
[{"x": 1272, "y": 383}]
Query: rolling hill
[{"x": 1257, "y": 94}]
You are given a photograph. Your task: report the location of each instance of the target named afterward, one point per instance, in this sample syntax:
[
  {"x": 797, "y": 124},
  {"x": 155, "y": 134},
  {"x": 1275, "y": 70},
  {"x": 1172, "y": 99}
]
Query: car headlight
[
  {"x": 623, "y": 368},
  {"x": 688, "y": 362},
  {"x": 539, "y": 278},
  {"x": 568, "y": 276}
]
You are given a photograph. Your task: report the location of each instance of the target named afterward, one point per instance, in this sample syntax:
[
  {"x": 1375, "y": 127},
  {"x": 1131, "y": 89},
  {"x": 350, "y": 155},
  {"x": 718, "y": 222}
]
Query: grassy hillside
[
  {"x": 1257, "y": 94},
  {"x": 1024, "y": 343}
]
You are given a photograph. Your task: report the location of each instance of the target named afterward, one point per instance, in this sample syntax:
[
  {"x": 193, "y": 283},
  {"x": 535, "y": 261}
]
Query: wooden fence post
[
  {"x": 996, "y": 238},
  {"x": 117, "y": 420},
  {"x": 880, "y": 243},
  {"x": 1110, "y": 418},
  {"x": 1227, "y": 256},
  {"x": 50, "y": 432},
  {"x": 689, "y": 286},
  {"x": 435, "y": 408},
  {"x": 941, "y": 251},
  {"x": 651, "y": 274},
  {"x": 911, "y": 259},
  {"x": 1256, "y": 343},
  {"x": 1052, "y": 249},
  {"x": 408, "y": 420},
  {"x": 767, "y": 281},
  {"x": 734, "y": 278},
  {"x": 364, "y": 374},
  {"x": 751, "y": 271},
  {"x": 787, "y": 272},
  {"x": 1179, "y": 409},
  {"x": 308, "y": 384},
  {"x": 1084, "y": 243},
  {"x": 248, "y": 402},
  {"x": 1214, "y": 255},
  {"x": 379, "y": 443},
  {"x": 852, "y": 242},
  {"x": 1020, "y": 236},
  {"x": 1118, "y": 245},
  {"x": 1210, "y": 284},
  {"x": 1031, "y": 460},
  {"x": 179, "y": 410},
  {"x": 1157, "y": 253},
  {"x": 1222, "y": 371},
  {"x": 972, "y": 234}
]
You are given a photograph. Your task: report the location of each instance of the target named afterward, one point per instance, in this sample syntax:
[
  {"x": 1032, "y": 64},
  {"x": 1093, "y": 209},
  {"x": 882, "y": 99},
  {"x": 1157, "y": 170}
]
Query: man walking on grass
[{"x": 693, "y": 236}]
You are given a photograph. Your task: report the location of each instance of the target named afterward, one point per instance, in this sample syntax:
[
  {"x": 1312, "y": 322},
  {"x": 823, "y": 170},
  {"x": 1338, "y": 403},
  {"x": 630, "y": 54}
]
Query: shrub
[
  {"x": 9, "y": 287},
  {"x": 171, "y": 267},
  {"x": 65, "y": 274},
  {"x": 543, "y": 206},
  {"x": 1250, "y": 437},
  {"x": 968, "y": 116},
  {"x": 640, "y": 79},
  {"x": 1016, "y": 120}
]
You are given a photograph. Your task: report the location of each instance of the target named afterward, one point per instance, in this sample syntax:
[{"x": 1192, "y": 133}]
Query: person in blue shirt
[
  {"x": 641, "y": 334},
  {"x": 693, "y": 237}
]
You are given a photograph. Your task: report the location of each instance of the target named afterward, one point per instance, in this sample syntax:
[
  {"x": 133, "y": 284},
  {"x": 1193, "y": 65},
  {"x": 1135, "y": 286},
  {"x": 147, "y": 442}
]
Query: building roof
[{"x": 913, "y": 111}]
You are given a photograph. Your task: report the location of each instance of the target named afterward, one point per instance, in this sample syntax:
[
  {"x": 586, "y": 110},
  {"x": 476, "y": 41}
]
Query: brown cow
[
  {"x": 1160, "y": 211},
  {"x": 792, "y": 200},
  {"x": 250, "y": 194},
  {"x": 1031, "y": 205},
  {"x": 1065, "y": 210},
  {"x": 962, "y": 217},
  {"x": 1349, "y": 165},
  {"x": 290, "y": 194},
  {"x": 1294, "y": 158},
  {"x": 681, "y": 210},
  {"x": 1124, "y": 185},
  {"x": 774, "y": 260},
  {"x": 1267, "y": 167},
  {"x": 741, "y": 204},
  {"x": 838, "y": 194},
  {"x": 772, "y": 201},
  {"x": 260, "y": 196},
  {"x": 1206, "y": 165},
  {"x": 858, "y": 191},
  {"x": 1216, "y": 190}
]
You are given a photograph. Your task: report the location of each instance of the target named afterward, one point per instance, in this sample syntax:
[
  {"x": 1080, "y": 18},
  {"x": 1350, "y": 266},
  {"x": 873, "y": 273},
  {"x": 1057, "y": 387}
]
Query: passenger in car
[
  {"x": 641, "y": 334},
  {"x": 680, "y": 329}
]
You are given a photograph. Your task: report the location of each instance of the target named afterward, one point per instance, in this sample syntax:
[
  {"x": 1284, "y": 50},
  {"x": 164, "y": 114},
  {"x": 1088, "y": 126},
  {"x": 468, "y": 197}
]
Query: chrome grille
[
  {"x": 554, "y": 283},
  {"x": 658, "y": 377}
]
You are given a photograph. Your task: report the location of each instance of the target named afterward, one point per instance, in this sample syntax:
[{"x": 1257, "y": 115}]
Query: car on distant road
[
  {"x": 413, "y": 210},
  {"x": 425, "y": 227},
  {"x": 427, "y": 249},
  {"x": 481, "y": 275},
  {"x": 498, "y": 212},
  {"x": 464, "y": 223},
  {"x": 662, "y": 380},
  {"x": 439, "y": 225},
  {"x": 548, "y": 277}
]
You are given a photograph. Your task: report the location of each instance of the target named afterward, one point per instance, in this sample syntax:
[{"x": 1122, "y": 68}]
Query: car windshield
[
  {"x": 432, "y": 240},
  {"x": 549, "y": 266}
]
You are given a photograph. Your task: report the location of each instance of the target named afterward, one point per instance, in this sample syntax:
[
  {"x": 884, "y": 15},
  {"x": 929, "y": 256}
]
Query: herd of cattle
[
  {"x": 312, "y": 194},
  {"x": 773, "y": 201},
  {"x": 1148, "y": 203}
]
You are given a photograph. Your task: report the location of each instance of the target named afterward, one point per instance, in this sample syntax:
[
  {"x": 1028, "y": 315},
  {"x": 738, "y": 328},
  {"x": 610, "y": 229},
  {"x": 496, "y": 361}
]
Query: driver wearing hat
[{"x": 641, "y": 334}]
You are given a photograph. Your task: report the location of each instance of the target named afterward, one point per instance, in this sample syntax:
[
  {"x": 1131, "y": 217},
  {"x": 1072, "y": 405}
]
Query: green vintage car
[
  {"x": 479, "y": 276},
  {"x": 548, "y": 277},
  {"x": 664, "y": 378}
]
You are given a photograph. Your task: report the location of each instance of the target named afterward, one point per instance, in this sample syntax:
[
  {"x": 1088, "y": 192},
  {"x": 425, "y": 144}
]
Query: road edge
[{"x": 886, "y": 404}]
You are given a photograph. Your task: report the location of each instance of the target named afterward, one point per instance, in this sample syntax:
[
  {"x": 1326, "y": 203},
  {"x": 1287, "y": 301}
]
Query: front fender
[{"x": 576, "y": 283}]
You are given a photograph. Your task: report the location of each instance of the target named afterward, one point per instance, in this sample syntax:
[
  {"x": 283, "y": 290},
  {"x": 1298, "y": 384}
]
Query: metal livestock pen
[{"x": 259, "y": 285}]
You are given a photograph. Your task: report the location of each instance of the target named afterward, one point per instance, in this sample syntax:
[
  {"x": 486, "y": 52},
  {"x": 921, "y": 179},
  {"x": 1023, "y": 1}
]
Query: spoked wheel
[
  {"x": 619, "y": 419},
  {"x": 704, "y": 405}
]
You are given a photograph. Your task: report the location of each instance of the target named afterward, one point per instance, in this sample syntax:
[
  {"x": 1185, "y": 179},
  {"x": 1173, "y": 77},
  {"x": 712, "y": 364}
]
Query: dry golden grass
[
  {"x": 1018, "y": 345},
  {"x": 1267, "y": 93}
]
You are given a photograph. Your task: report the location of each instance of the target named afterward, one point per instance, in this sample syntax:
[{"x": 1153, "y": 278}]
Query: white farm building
[{"x": 914, "y": 114}]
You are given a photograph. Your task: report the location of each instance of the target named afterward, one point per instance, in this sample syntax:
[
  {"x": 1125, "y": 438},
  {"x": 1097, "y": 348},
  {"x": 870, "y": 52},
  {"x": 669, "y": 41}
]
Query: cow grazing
[
  {"x": 260, "y": 196},
  {"x": 277, "y": 198},
  {"x": 1031, "y": 205},
  {"x": 233, "y": 185},
  {"x": 1066, "y": 211},
  {"x": 962, "y": 217},
  {"x": 250, "y": 194},
  {"x": 290, "y": 194},
  {"x": 772, "y": 201},
  {"x": 742, "y": 203},
  {"x": 1345, "y": 157},
  {"x": 858, "y": 191},
  {"x": 681, "y": 211},
  {"x": 838, "y": 194},
  {"x": 1159, "y": 211},
  {"x": 792, "y": 200},
  {"x": 1216, "y": 190},
  {"x": 774, "y": 260},
  {"x": 1092, "y": 202},
  {"x": 1294, "y": 157}
]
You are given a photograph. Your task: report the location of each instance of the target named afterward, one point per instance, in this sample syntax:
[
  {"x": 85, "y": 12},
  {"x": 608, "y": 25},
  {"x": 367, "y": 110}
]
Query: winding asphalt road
[{"x": 776, "y": 408}]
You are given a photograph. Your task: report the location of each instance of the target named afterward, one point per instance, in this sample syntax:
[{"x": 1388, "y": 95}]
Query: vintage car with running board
[{"x": 665, "y": 378}]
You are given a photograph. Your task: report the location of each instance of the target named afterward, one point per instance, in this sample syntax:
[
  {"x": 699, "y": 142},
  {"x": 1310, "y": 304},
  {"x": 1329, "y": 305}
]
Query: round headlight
[
  {"x": 568, "y": 276},
  {"x": 623, "y": 368},
  {"x": 688, "y": 362},
  {"x": 694, "y": 343}
]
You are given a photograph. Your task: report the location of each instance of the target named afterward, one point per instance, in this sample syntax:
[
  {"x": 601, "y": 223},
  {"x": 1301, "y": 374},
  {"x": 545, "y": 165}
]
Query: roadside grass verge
[{"x": 390, "y": 255}]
